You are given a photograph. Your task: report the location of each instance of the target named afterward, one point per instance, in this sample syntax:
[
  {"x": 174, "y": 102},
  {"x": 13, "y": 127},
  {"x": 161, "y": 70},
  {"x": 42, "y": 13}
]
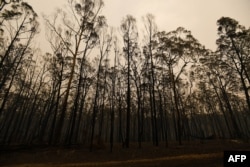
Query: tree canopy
[{"x": 98, "y": 85}]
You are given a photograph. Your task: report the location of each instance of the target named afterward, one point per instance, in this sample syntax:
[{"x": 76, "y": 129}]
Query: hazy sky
[{"x": 199, "y": 16}]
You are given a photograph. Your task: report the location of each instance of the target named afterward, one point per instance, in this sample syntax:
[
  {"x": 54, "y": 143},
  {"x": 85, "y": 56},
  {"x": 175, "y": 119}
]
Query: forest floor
[{"x": 190, "y": 154}]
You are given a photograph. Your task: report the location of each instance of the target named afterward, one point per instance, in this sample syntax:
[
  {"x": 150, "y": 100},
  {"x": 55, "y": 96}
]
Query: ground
[{"x": 190, "y": 154}]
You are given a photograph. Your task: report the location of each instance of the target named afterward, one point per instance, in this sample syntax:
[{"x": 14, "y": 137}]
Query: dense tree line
[{"x": 99, "y": 85}]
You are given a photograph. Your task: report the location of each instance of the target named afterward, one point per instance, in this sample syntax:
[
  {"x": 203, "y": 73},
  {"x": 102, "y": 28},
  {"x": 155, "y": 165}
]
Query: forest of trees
[{"x": 97, "y": 84}]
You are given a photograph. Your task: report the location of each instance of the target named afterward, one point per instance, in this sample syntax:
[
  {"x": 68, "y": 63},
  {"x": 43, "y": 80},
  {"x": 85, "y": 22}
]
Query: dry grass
[{"x": 190, "y": 154}]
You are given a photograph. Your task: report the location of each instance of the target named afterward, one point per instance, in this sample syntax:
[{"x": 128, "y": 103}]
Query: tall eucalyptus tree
[
  {"x": 177, "y": 49},
  {"x": 78, "y": 34},
  {"x": 130, "y": 35},
  {"x": 233, "y": 44}
]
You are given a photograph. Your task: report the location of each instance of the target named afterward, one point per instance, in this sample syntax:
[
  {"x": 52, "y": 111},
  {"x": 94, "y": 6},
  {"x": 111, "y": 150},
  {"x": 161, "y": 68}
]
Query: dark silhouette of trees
[
  {"x": 99, "y": 98},
  {"x": 18, "y": 27},
  {"x": 151, "y": 30},
  {"x": 177, "y": 49},
  {"x": 81, "y": 27},
  {"x": 130, "y": 36},
  {"x": 92, "y": 87},
  {"x": 15, "y": 43},
  {"x": 233, "y": 44}
]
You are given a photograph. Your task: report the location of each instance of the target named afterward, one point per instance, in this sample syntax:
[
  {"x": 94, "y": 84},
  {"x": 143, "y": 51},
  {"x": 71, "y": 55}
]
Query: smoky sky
[{"x": 199, "y": 16}]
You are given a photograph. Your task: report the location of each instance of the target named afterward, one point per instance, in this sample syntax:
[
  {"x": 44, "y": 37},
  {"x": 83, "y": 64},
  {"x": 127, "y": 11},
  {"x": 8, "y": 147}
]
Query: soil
[{"x": 190, "y": 154}]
